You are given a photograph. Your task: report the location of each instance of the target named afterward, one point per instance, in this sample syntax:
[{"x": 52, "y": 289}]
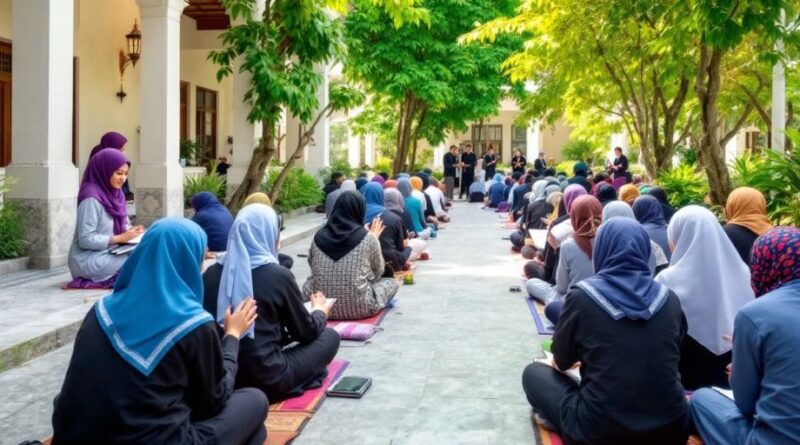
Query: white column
[
  {"x": 533, "y": 143},
  {"x": 246, "y": 135},
  {"x": 369, "y": 150},
  {"x": 41, "y": 158},
  {"x": 317, "y": 153},
  {"x": 438, "y": 155},
  {"x": 353, "y": 149},
  {"x": 159, "y": 176},
  {"x": 779, "y": 100}
]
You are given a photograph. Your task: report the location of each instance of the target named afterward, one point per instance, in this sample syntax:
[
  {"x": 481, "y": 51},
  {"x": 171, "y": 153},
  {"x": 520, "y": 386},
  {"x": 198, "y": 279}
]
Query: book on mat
[
  {"x": 328, "y": 302},
  {"x": 124, "y": 248},
  {"x": 351, "y": 387},
  {"x": 539, "y": 237},
  {"x": 573, "y": 373}
]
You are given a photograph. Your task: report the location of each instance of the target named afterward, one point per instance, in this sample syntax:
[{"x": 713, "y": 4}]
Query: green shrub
[
  {"x": 438, "y": 174},
  {"x": 383, "y": 164},
  {"x": 210, "y": 182},
  {"x": 578, "y": 149},
  {"x": 566, "y": 167},
  {"x": 337, "y": 165},
  {"x": 777, "y": 176},
  {"x": 12, "y": 226},
  {"x": 684, "y": 185},
  {"x": 299, "y": 190}
]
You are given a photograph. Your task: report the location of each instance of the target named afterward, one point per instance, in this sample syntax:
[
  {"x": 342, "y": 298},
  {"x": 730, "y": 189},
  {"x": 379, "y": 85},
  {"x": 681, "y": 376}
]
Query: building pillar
[
  {"x": 159, "y": 176},
  {"x": 317, "y": 153},
  {"x": 246, "y": 135},
  {"x": 369, "y": 150},
  {"x": 46, "y": 187},
  {"x": 353, "y": 149},
  {"x": 533, "y": 141},
  {"x": 438, "y": 155}
]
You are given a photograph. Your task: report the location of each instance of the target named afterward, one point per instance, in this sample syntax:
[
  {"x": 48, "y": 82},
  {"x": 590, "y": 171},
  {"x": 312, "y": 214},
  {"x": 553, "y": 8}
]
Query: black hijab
[
  {"x": 606, "y": 193},
  {"x": 661, "y": 195},
  {"x": 345, "y": 227}
]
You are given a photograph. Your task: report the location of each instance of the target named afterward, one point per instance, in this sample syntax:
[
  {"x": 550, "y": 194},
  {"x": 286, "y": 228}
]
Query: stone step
[{"x": 39, "y": 316}]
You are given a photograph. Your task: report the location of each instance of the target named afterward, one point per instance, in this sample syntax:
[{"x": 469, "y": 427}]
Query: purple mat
[{"x": 543, "y": 327}]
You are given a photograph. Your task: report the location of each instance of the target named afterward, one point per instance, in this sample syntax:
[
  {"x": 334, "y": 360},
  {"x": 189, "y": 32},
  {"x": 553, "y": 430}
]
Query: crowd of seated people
[
  {"x": 176, "y": 355},
  {"x": 651, "y": 303}
]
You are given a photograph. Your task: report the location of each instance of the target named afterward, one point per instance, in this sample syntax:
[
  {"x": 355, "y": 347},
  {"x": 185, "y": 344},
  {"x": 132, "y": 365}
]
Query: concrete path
[{"x": 446, "y": 367}]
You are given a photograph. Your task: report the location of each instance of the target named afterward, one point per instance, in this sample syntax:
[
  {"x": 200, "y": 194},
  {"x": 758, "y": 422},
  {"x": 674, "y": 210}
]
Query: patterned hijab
[
  {"x": 775, "y": 259},
  {"x": 586, "y": 216},
  {"x": 747, "y": 207}
]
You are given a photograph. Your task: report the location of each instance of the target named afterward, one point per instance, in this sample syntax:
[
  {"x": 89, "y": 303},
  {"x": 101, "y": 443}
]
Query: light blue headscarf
[
  {"x": 158, "y": 297},
  {"x": 253, "y": 242},
  {"x": 498, "y": 179},
  {"x": 373, "y": 195}
]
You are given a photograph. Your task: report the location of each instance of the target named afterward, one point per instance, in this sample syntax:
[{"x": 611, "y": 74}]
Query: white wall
[{"x": 200, "y": 72}]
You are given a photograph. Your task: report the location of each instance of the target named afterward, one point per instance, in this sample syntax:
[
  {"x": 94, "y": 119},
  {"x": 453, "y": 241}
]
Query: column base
[
  {"x": 153, "y": 203},
  {"x": 49, "y": 229}
]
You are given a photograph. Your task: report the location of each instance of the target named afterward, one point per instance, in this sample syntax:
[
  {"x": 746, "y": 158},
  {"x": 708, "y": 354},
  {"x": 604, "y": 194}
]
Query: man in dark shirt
[
  {"x": 540, "y": 164},
  {"x": 222, "y": 166},
  {"x": 468, "y": 161},
  {"x": 490, "y": 163},
  {"x": 518, "y": 162},
  {"x": 450, "y": 165}
]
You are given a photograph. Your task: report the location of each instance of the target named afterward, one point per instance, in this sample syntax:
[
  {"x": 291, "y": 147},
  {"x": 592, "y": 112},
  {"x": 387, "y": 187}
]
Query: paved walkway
[{"x": 446, "y": 367}]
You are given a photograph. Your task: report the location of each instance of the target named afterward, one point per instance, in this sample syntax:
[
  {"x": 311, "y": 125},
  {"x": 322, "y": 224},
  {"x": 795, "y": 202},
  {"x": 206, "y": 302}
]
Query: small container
[{"x": 408, "y": 278}]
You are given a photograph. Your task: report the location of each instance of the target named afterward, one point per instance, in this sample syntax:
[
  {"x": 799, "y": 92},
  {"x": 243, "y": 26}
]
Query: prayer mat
[
  {"x": 543, "y": 325},
  {"x": 375, "y": 320},
  {"x": 286, "y": 419},
  {"x": 544, "y": 436}
]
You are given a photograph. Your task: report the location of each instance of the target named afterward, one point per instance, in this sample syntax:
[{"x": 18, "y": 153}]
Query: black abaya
[{"x": 282, "y": 319}]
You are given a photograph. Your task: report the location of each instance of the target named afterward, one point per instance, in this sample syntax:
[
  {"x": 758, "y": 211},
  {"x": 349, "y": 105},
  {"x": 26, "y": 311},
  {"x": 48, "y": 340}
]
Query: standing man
[
  {"x": 450, "y": 166},
  {"x": 518, "y": 162},
  {"x": 468, "y": 162},
  {"x": 540, "y": 164},
  {"x": 489, "y": 163}
]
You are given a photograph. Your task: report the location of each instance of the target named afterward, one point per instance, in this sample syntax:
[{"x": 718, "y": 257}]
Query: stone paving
[{"x": 446, "y": 367}]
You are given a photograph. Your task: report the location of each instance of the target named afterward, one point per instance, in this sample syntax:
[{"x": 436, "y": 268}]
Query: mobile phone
[
  {"x": 351, "y": 386},
  {"x": 515, "y": 289}
]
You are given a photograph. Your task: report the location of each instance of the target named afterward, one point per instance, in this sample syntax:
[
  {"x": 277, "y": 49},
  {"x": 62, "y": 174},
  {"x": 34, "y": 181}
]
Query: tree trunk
[
  {"x": 256, "y": 170},
  {"x": 404, "y": 133},
  {"x": 415, "y": 138},
  {"x": 711, "y": 152}
]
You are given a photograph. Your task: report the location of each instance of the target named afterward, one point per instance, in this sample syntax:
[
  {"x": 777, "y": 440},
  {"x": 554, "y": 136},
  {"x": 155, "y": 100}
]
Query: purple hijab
[
  {"x": 379, "y": 179},
  {"x": 112, "y": 139},
  {"x": 570, "y": 194},
  {"x": 96, "y": 185}
]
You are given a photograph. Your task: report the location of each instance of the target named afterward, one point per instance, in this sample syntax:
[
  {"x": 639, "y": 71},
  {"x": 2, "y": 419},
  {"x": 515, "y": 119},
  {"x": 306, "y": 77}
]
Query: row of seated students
[
  {"x": 174, "y": 355},
  {"x": 652, "y": 303}
]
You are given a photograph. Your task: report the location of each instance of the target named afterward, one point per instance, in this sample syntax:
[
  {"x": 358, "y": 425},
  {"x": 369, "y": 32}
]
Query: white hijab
[{"x": 707, "y": 275}]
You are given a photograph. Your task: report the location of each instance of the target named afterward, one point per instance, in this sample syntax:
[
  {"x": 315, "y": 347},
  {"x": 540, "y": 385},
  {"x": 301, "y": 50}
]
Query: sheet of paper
[
  {"x": 328, "y": 302},
  {"x": 725, "y": 392},
  {"x": 574, "y": 373},
  {"x": 136, "y": 240},
  {"x": 539, "y": 237}
]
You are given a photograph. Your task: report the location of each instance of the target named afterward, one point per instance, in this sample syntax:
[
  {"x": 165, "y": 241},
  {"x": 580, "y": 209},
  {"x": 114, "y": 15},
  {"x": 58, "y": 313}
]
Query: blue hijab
[
  {"x": 373, "y": 194},
  {"x": 650, "y": 214},
  {"x": 360, "y": 183},
  {"x": 158, "y": 297},
  {"x": 253, "y": 242},
  {"x": 214, "y": 218},
  {"x": 413, "y": 206},
  {"x": 622, "y": 284}
]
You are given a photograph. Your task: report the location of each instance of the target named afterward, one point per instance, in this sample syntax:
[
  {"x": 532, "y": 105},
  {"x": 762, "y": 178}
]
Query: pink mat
[
  {"x": 311, "y": 399},
  {"x": 375, "y": 320}
]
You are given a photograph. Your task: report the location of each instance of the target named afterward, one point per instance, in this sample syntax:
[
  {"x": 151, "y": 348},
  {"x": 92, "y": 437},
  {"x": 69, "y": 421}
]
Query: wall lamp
[{"x": 134, "y": 43}]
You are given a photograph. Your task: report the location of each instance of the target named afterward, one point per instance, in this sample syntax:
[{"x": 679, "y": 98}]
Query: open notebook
[
  {"x": 573, "y": 373},
  {"x": 122, "y": 249}
]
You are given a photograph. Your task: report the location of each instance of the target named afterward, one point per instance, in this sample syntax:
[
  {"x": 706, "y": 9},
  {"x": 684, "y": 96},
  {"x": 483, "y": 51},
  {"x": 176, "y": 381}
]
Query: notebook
[
  {"x": 573, "y": 373},
  {"x": 328, "y": 302},
  {"x": 539, "y": 237}
]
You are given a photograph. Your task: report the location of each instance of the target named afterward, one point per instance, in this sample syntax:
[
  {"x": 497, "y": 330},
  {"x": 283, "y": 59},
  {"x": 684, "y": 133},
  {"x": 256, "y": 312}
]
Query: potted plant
[{"x": 188, "y": 150}]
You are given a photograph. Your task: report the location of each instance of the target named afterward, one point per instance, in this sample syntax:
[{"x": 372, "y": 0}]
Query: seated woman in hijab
[
  {"x": 650, "y": 214},
  {"x": 624, "y": 331},
  {"x": 117, "y": 141},
  {"x": 394, "y": 240},
  {"x": 661, "y": 195},
  {"x": 496, "y": 191},
  {"x": 250, "y": 268},
  {"x": 214, "y": 218},
  {"x": 419, "y": 185},
  {"x": 605, "y": 192},
  {"x": 102, "y": 222},
  {"x": 713, "y": 283},
  {"x": 535, "y": 213},
  {"x": 330, "y": 200},
  {"x": 765, "y": 373},
  {"x": 478, "y": 188},
  {"x": 413, "y": 207},
  {"x": 581, "y": 172},
  {"x": 628, "y": 193},
  {"x": 574, "y": 259},
  {"x": 347, "y": 264},
  {"x": 437, "y": 200},
  {"x": 395, "y": 204},
  {"x": 746, "y": 212},
  {"x": 262, "y": 198},
  {"x": 658, "y": 259},
  {"x": 148, "y": 365}
]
